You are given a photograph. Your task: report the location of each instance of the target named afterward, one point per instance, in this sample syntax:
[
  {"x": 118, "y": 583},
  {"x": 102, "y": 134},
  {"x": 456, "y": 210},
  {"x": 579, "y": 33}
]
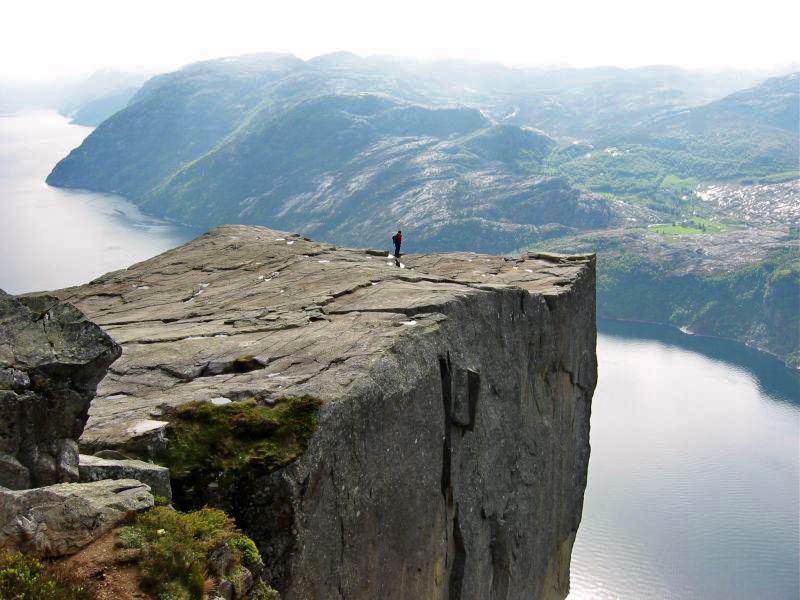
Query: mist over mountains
[{"x": 86, "y": 100}]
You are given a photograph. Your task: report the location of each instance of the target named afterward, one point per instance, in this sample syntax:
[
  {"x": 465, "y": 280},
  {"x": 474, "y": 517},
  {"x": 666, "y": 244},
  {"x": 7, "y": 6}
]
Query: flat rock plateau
[{"x": 451, "y": 448}]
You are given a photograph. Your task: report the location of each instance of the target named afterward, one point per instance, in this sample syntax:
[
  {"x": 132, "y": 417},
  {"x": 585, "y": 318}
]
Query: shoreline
[{"x": 688, "y": 332}]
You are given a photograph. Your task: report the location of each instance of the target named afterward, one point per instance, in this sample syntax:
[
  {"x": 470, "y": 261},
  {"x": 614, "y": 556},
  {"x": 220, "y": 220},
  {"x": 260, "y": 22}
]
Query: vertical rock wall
[{"x": 456, "y": 470}]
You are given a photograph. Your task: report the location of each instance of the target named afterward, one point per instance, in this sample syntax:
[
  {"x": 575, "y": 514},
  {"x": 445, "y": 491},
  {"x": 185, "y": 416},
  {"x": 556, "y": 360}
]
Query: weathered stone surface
[
  {"x": 60, "y": 519},
  {"x": 95, "y": 468},
  {"x": 51, "y": 358},
  {"x": 450, "y": 458}
]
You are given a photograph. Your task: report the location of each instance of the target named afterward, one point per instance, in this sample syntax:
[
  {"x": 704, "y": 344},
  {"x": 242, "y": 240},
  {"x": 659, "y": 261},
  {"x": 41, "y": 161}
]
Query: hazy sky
[{"x": 42, "y": 38}]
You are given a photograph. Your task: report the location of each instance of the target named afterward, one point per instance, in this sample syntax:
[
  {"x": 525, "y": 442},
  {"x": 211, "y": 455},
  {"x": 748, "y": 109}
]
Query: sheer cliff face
[
  {"x": 451, "y": 451},
  {"x": 462, "y": 463}
]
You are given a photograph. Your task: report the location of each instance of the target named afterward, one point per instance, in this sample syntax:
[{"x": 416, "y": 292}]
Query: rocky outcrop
[
  {"x": 95, "y": 468},
  {"x": 61, "y": 519},
  {"x": 51, "y": 359},
  {"x": 450, "y": 454}
]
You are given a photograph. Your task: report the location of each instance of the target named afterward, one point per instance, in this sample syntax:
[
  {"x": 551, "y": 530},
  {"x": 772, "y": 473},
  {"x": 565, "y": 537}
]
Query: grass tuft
[
  {"x": 26, "y": 578},
  {"x": 175, "y": 549}
]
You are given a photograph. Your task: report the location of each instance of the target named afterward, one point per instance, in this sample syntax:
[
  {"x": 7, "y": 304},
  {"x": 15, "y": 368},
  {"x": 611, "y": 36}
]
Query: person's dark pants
[{"x": 397, "y": 249}]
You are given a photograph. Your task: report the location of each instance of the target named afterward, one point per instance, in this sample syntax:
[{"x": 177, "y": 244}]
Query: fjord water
[
  {"x": 52, "y": 238},
  {"x": 694, "y": 475}
]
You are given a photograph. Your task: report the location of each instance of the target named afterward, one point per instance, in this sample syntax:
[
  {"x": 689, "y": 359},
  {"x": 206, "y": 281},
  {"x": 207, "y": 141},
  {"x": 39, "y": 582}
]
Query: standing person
[{"x": 397, "y": 239}]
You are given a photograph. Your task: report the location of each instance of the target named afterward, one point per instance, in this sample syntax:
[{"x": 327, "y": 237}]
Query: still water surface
[
  {"x": 694, "y": 477},
  {"x": 52, "y": 238}
]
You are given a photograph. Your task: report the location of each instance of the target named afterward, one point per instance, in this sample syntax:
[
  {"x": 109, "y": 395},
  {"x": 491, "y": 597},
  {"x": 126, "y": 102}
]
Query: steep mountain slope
[
  {"x": 349, "y": 148},
  {"x": 269, "y": 139},
  {"x": 744, "y": 131},
  {"x": 748, "y": 136},
  {"x": 174, "y": 118},
  {"x": 92, "y": 100}
]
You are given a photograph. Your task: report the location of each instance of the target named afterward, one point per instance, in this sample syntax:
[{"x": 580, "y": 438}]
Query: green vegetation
[
  {"x": 223, "y": 445},
  {"x": 522, "y": 148},
  {"x": 260, "y": 139},
  {"x": 757, "y": 303},
  {"x": 664, "y": 179},
  {"x": 175, "y": 549},
  {"x": 695, "y": 225},
  {"x": 643, "y": 277},
  {"x": 776, "y": 177},
  {"x": 26, "y": 578}
]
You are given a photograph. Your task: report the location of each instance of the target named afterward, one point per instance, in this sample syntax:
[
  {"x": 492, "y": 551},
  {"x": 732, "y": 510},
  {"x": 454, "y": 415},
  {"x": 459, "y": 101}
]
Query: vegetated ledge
[{"x": 450, "y": 454}]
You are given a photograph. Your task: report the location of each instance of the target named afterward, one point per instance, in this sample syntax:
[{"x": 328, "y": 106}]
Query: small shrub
[
  {"x": 160, "y": 500},
  {"x": 248, "y": 550},
  {"x": 131, "y": 537},
  {"x": 235, "y": 577},
  {"x": 175, "y": 547},
  {"x": 173, "y": 590},
  {"x": 261, "y": 591},
  {"x": 25, "y": 578}
]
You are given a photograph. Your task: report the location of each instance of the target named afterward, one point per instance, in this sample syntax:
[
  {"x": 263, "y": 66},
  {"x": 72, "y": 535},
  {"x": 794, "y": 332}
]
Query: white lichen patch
[{"x": 145, "y": 425}]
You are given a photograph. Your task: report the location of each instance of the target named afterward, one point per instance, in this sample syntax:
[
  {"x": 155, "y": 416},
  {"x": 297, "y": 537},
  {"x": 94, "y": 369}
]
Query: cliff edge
[{"x": 451, "y": 444}]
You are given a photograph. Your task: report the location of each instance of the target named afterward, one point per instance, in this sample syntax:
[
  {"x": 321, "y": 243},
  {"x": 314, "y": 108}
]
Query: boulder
[
  {"x": 95, "y": 468},
  {"x": 60, "y": 519},
  {"x": 51, "y": 360}
]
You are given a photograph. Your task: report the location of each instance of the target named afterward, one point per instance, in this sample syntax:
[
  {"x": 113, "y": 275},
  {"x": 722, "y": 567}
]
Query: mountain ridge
[{"x": 348, "y": 148}]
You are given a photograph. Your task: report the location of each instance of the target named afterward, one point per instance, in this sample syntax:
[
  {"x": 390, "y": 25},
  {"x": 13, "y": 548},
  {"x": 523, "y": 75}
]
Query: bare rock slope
[{"x": 452, "y": 444}]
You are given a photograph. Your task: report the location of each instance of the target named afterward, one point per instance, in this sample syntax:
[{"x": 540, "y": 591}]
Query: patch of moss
[
  {"x": 248, "y": 550},
  {"x": 175, "y": 549},
  {"x": 262, "y": 591},
  {"x": 215, "y": 447}
]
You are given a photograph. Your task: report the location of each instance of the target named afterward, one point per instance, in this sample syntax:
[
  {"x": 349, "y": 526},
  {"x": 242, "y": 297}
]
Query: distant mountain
[
  {"x": 749, "y": 136},
  {"x": 467, "y": 156},
  {"x": 92, "y": 100},
  {"x": 747, "y": 130},
  {"x": 86, "y": 100},
  {"x": 270, "y": 139}
]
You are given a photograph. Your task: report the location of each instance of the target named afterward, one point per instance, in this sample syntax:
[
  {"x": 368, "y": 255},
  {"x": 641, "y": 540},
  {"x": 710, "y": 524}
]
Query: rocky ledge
[
  {"x": 450, "y": 454},
  {"x": 60, "y": 519}
]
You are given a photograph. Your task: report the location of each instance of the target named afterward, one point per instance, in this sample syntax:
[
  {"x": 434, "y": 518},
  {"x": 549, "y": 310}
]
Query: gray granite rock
[
  {"x": 219, "y": 559},
  {"x": 60, "y": 519},
  {"x": 94, "y": 468},
  {"x": 225, "y": 590},
  {"x": 51, "y": 359},
  {"x": 451, "y": 453}
]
